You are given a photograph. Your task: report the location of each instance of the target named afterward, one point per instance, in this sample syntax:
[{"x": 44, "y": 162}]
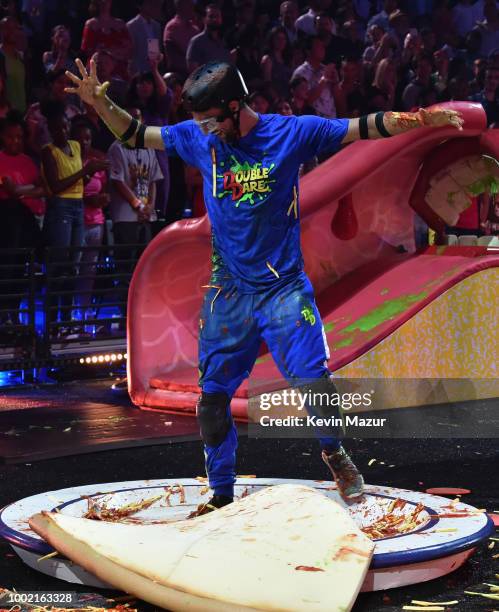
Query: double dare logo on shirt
[{"x": 246, "y": 182}]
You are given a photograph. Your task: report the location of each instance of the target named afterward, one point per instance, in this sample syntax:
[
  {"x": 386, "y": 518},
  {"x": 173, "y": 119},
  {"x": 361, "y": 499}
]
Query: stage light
[{"x": 98, "y": 359}]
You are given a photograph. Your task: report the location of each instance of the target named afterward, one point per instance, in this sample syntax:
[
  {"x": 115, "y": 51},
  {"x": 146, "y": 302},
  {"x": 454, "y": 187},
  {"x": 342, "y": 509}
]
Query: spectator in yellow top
[{"x": 64, "y": 174}]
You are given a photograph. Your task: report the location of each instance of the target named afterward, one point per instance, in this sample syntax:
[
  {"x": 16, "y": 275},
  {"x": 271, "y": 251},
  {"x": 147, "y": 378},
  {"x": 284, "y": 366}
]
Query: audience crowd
[{"x": 63, "y": 174}]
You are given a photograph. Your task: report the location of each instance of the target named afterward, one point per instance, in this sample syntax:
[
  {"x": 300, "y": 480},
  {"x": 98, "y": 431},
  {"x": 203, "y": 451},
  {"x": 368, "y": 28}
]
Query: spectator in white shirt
[
  {"x": 324, "y": 92},
  {"x": 133, "y": 176}
]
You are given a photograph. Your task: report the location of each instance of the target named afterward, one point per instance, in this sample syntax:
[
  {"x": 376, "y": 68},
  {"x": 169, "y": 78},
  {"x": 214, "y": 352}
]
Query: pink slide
[{"x": 357, "y": 218}]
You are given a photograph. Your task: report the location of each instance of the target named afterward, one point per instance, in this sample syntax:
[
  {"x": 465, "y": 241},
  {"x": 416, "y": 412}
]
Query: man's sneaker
[
  {"x": 215, "y": 503},
  {"x": 347, "y": 476}
]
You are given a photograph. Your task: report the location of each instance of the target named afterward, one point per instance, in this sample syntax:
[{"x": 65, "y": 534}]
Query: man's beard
[{"x": 228, "y": 137}]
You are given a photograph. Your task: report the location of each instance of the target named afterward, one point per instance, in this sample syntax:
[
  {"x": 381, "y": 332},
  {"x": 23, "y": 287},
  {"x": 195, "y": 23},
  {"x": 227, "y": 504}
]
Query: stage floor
[
  {"x": 79, "y": 418},
  {"x": 415, "y": 464}
]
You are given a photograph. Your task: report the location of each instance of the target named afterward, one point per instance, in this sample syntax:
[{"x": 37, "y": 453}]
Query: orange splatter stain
[{"x": 345, "y": 551}]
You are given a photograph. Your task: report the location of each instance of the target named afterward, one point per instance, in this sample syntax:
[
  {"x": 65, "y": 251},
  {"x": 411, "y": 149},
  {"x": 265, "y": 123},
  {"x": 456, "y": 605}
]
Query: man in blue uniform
[{"x": 258, "y": 289}]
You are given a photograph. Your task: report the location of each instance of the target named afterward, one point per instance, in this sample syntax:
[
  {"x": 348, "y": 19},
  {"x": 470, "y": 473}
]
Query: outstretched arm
[
  {"x": 121, "y": 124},
  {"x": 380, "y": 125}
]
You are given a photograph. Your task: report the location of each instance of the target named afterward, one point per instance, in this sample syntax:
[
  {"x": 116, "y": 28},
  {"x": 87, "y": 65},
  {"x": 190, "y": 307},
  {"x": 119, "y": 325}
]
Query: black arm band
[
  {"x": 139, "y": 139},
  {"x": 132, "y": 128},
  {"x": 381, "y": 126},
  {"x": 363, "y": 128}
]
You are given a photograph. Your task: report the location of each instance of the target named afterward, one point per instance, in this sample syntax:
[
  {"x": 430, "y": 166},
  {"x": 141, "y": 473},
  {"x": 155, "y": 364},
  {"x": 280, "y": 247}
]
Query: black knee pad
[{"x": 214, "y": 422}]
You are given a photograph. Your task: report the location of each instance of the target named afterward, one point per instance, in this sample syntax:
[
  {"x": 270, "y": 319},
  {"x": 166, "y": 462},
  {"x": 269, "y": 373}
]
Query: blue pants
[
  {"x": 64, "y": 227},
  {"x": 232, "y": 326},
  {"x": 64, "y": 224}
]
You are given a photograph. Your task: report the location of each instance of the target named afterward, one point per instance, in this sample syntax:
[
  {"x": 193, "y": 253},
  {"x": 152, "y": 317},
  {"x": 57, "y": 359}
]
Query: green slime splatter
[{"x": 385, "y": 312}]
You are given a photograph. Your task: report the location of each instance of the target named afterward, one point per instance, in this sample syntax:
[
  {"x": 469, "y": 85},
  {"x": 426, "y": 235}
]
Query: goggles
[{"x": 209, "y": 125}]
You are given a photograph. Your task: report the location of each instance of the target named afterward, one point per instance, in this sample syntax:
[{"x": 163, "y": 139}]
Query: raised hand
[
  {"x": 88, "y": 87},
  {"x": 440, "y": 117},
  {"x": 155, "y": 61}
]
